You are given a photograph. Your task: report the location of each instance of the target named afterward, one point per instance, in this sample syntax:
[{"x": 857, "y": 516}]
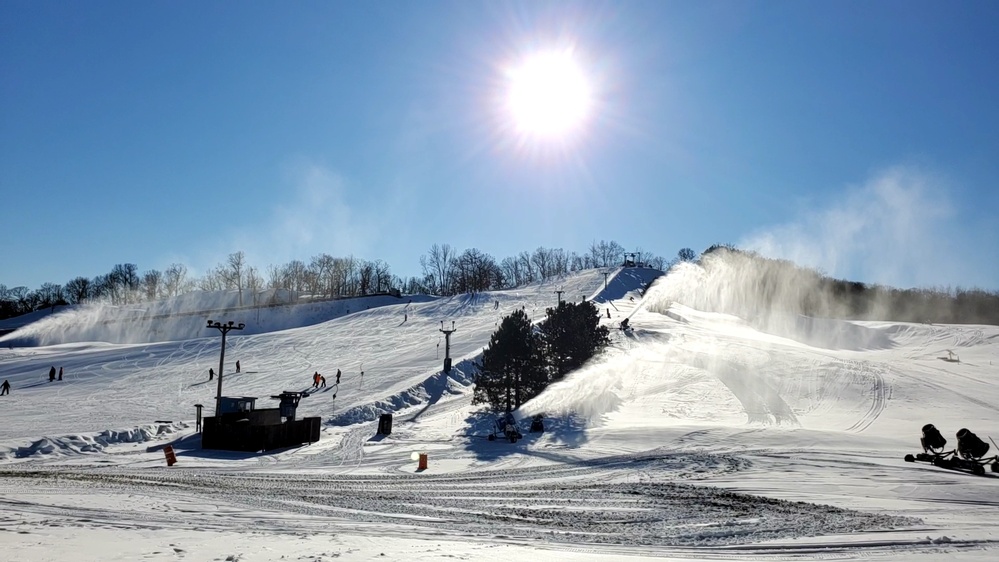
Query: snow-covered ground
[{"x": 695, "y": 436}]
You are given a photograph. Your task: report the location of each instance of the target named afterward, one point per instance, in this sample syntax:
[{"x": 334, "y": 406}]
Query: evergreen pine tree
[
  {"x": 572, "y": 334},
  {"x": 512, "y": 369}
]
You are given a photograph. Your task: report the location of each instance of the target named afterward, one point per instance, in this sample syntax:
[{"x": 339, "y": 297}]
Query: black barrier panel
[
  {"x": 242, "y": 435},
  {"x": 385, "y": 424}
]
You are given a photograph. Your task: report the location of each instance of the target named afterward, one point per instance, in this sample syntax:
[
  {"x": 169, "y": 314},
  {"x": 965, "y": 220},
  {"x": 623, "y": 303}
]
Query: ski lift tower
[
  {"x": 630, "y": 258},
  {"x": 447, "y": 345}
]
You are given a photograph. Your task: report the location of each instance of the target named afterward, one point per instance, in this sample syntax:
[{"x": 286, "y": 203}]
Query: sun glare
[{"x": 549, "y": 96}]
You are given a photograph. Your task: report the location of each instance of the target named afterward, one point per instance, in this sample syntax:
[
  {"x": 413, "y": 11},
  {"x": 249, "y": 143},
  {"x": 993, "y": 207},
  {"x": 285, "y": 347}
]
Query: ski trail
[{"x": 879, "y": 400}]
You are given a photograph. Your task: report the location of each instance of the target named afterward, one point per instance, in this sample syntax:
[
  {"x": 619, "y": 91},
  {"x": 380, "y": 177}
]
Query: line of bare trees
[{"x": 445, "y": 271}]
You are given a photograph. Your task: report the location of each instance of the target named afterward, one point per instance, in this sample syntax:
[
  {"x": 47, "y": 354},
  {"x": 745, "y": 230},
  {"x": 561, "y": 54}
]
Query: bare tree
[
  {"x": 512, "y": 272},
  {"x": 232, "y": 273},
  {"x": 383, "y": 276},
  {"x": 77, "y": 290},
  {"x": 527, "y": 267},
  {"x": 254, "y": 283},
  {"x": 541, "y": 258},
  {"x": 274, "y": 277},
  {"x": 175, "y": 279},
  {"x": 152, "y": 283},
  {"x": 100, "y": 288},
  {"x": 560, "y": 261},
  {"x": 474, "y": 271},
  {"x": 438, "y": 264},
  {"x": 322, "y": 266},
  {"x": 123, "y": 283},
  {"x": 366, "y": 275},
  {"x": 49, "y": 294},
  {"x": 293, "y": 276},
  {"x": 211, "y": 281},
  {"x": 345, "y": 275},
  {"x": 606, "y": 254}
]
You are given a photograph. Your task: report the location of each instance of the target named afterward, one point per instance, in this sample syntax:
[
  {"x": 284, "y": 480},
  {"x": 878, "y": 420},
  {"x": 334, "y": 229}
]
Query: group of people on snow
[
  {"x": 53, "y": 376},
  {"x": 211, "y": 371},
  {"x": 319, "y": 381}
]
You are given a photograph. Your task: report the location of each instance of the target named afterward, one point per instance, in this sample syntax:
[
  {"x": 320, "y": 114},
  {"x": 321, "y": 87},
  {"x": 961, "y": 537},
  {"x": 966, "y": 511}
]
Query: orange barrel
[{"x": 171, "y": 458}]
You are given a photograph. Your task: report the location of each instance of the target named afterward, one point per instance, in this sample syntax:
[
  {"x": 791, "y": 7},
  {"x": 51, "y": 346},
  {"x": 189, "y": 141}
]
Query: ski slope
[{"x": 696, "y": 435}]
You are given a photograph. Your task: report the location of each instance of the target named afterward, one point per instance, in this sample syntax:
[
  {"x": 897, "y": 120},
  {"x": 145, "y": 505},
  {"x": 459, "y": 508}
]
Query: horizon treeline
[
  {"x": 755, "y": 283},
  {"x": 445, "y": 272}
]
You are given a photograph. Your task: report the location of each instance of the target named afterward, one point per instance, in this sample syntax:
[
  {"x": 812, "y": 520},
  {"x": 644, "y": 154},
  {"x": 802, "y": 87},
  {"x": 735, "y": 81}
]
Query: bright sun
[{"x": 549, "y": 96}]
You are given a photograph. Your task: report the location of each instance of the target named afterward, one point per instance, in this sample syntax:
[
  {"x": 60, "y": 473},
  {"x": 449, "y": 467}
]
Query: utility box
[{"x": 385, "y": 424}]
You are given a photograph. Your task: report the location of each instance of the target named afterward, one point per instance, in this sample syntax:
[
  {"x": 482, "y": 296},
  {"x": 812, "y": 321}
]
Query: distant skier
[
  {"x": 237, "y": 366},
  {"x": 315, "y": 379},
  {"x": 60, "y": 373},
  {"x": 322, "y": 381},
  {"x": 211, "y": 373},
  {"x": 338, "y": 376},
  {"x": 52, "y": 374},
  {"x": 608, "y": 313},
  {"x": 5, "y": 387}
]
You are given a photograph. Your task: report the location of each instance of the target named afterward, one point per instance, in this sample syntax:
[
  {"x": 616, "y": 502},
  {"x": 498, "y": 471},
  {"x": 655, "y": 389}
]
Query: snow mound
[{"x": 69, "y": 445}]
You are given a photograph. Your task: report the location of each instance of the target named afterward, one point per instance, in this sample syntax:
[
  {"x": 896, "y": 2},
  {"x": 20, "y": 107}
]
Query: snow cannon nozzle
[
  {"x": 969, "y": 446},
  {"x": 932, "y": 440}
]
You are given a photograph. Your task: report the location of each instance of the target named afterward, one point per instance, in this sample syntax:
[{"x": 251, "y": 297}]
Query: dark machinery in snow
[
  {"x": 969, "y": 454},
  {"x": 506, "y": 426}
]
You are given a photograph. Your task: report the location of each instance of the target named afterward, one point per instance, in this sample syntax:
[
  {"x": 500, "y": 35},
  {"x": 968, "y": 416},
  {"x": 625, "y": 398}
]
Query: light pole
[{"x": 224, "y": 328}]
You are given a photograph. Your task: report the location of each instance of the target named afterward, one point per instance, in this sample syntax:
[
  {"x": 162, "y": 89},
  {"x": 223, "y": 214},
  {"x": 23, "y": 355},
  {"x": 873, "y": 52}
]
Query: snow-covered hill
[{"x": 696, "y": 435}]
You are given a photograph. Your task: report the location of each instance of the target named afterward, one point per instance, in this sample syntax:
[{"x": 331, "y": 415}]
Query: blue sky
[{"x": 860, "y": 138}]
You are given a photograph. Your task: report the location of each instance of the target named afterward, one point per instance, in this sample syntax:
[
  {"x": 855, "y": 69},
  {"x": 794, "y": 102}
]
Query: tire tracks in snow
[{"x": 880, "y": 395}]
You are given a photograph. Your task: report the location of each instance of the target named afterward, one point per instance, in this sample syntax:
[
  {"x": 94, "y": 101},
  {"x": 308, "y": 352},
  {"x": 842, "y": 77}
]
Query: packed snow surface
[{"x": 696, "y": 435}]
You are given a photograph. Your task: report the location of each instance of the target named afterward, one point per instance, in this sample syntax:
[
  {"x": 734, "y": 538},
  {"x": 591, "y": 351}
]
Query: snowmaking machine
[
  {"x": 505, "y": 426},
  {"x": 968, "y": 456}
]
